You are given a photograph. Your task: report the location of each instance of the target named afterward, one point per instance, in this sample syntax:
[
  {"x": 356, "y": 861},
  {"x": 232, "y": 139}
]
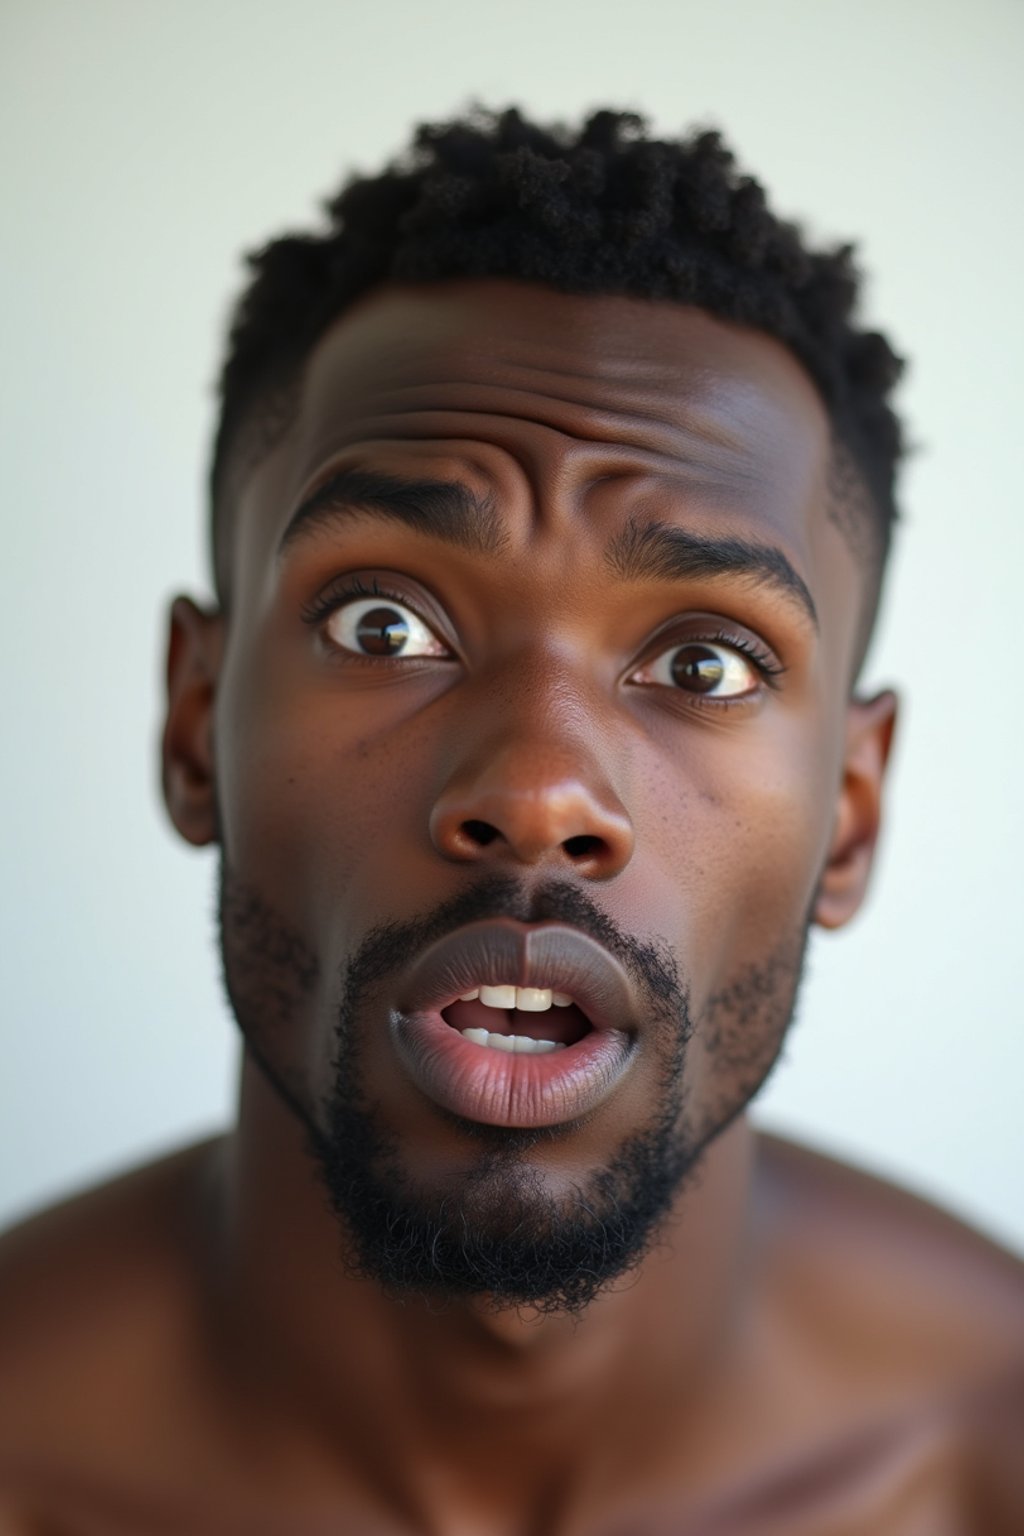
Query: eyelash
[
  {"x": 770, "y": 669},
  {"x": 336, "y": 595}
]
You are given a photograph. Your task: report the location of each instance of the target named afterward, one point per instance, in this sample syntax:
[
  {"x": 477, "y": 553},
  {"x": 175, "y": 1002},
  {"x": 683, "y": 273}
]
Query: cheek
[
  {"x": 737, "y": 822},
  {"x": 313, "y": 803},
  {"x": 740, "y": 826}
]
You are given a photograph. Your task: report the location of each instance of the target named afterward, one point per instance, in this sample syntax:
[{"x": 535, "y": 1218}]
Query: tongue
[{"x": 566, "y": 1025}]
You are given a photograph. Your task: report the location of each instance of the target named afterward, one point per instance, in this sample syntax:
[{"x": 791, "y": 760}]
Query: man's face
[{"x": 580, "y": 724}]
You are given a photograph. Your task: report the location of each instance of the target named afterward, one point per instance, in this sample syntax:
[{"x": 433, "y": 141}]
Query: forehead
[
  {"x": 568, "y": 381},
  {"x": 568, "y": 413}
]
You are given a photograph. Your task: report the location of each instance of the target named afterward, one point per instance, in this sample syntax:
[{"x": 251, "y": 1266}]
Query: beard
[{"x": 500, "y": 1234}]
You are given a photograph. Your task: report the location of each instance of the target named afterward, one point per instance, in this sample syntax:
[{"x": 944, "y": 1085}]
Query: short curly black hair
[{"x": 602, "y": 209}]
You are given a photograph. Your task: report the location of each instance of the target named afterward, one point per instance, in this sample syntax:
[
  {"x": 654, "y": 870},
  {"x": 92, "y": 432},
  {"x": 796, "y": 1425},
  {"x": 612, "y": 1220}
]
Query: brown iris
[
  {"x": 697, "y": 668},
  {"x": 382, "y": 632}
]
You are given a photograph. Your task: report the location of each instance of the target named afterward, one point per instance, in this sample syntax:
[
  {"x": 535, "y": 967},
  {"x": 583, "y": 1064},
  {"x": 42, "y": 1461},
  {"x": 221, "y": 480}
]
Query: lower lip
[{"x": 501, "y": 1088}]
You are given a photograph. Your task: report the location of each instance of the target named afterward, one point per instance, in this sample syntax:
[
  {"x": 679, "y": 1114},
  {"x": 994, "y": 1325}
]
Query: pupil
[
  {"x": 382, "y": 632},
  {"x": 697, "y": 668}
]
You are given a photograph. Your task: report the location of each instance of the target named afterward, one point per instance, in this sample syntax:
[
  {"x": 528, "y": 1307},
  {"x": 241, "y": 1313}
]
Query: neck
[{"x": 399, "y": 1388}]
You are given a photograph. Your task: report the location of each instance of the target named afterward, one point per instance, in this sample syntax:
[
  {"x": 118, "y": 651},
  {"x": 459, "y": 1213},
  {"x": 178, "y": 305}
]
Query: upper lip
[{"x": 506, "y": 952}]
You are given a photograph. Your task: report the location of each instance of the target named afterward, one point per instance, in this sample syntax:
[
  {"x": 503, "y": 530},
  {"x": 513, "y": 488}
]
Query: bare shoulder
[
  {"x": 99, "y": 1299},
  {"x": 100, "y": 1259},
  {"x": 875, "y": 1254},
  {"x": 903, "y": 1326}
]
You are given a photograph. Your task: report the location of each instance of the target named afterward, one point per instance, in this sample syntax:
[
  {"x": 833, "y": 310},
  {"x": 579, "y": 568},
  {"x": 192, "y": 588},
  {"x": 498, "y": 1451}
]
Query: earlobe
[
  {"x": 194, "y": 654},
  {"x": 869, "y": 733}
]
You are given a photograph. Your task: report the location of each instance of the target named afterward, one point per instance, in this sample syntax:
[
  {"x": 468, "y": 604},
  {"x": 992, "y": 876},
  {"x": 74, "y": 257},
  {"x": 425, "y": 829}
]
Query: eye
[
  {"x": 710, "y": 668},
  {"x": 379, "y": 626}
]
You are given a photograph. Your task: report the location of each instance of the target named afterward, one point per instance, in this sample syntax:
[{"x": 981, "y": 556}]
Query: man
[{"x": 551, "y": 499}]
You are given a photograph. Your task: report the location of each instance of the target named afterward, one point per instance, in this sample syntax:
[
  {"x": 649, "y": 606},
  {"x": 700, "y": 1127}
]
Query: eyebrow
[
  {"x": 450, "y": 511},
  {"x": 443, "y": 509},
  {"x": 663, "y": 552}
]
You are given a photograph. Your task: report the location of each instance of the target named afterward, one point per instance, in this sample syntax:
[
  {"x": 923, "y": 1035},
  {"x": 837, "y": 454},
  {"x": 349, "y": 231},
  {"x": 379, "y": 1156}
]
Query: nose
[{"x": 532, "y": 801}]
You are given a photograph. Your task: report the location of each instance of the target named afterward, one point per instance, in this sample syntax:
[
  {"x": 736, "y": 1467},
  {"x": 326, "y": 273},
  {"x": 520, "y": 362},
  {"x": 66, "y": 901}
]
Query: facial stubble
[{"x": 498, "y": 1232}]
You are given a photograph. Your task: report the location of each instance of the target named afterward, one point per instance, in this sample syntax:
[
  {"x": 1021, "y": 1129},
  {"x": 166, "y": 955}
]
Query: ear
[
  {"x": 194, "y": 652},
  {"x": 869, "y": 730}
]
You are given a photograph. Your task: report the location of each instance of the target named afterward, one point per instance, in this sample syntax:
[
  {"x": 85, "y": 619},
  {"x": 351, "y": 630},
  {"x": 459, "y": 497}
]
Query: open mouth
[
  {"x": 527, "y": 1021},
  {"x": 516, "y": 1024}
]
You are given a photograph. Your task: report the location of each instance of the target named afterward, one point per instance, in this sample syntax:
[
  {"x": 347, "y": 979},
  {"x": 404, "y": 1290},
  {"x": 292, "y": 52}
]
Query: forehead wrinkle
[
  {"x": 674, "y": 407},
  {"x": 692, "y": 429},
  {"x": 551, "y": 467},
  {"x": 633, "y": 488},
  {"x": 687, "y": 402},
  {"x": 558, "y": 475},
  {"x": 555, "y": 463}
]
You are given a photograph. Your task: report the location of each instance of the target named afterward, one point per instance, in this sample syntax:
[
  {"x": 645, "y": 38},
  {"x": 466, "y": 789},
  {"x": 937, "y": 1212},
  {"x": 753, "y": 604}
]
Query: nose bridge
[{"x": 532, "y": 780}]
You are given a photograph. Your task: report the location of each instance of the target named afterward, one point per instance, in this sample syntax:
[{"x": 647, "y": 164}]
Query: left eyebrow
[
  {"x": 442, "y": 509},
  {"x": 662, "y": 552}
]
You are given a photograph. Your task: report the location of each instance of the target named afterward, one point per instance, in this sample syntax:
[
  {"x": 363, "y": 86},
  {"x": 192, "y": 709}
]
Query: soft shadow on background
[{"x": 143, "y": 147}]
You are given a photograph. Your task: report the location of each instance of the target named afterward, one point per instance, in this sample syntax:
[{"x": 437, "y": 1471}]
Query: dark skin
[{"x": 803, "y": 1349}]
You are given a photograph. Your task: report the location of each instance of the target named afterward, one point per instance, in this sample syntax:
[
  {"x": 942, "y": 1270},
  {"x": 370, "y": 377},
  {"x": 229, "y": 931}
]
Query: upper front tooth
[
  {"x": 529, "y": 999},
  {"x": 470, "y": 997},
  {"x": 498, "y": 997}
]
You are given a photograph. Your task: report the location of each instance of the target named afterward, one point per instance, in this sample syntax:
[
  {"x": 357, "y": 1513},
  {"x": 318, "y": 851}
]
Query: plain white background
[{"x": 143, "y": 146}]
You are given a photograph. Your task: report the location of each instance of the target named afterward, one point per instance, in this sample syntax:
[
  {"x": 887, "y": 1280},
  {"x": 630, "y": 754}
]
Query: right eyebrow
[{"x": 443, "y": 509}]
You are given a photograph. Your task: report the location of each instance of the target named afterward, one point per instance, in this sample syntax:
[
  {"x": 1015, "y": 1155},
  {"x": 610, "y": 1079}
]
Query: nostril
[
  {"x": 480, "y": 832},
  {"x": 582, "y": 847}
]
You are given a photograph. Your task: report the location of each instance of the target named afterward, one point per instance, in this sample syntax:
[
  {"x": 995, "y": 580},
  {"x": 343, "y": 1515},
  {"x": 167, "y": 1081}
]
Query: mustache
[{"x": 389, "y": 947}]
